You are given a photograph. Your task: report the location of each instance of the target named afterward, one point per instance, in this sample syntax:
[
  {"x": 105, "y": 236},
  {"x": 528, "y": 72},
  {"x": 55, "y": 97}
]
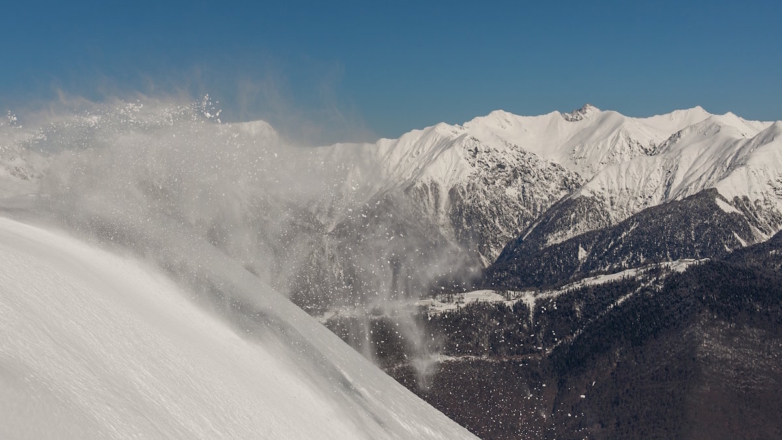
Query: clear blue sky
[{"x": 353, "y": 69}]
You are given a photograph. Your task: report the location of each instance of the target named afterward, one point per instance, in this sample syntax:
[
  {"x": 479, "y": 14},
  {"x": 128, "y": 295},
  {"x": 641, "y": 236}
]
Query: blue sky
[{"x": 365, "y": 69}]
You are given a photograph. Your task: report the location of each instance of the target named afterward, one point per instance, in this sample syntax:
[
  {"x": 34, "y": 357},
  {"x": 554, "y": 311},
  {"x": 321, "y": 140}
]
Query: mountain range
[
  {"x": 531, "y": 254},
  {"x": 437, "y": 206},
  {"x": 502, "y": 181}
]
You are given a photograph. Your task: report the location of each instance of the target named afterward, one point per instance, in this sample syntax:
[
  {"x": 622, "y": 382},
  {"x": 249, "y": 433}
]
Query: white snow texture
[{"x": 96, "y": 345}]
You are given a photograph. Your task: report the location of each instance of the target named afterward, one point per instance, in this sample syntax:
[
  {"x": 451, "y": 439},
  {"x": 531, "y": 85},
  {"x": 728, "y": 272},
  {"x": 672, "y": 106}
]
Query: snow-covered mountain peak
[
  {"x": 713, "y": 132},
  {"x": 744, "y": 127},
  {"x": 589, "y": 139},
  {"x": 775, "y": 128},
  {"x": 741, "y": 159},
  {"x": 672, "y": 122},
  {"x": 693, "y": 114},
  {"x": 696, "y": 109},
  {"x": 585, "y": 112},
  {"x": 498, "y": 120}
]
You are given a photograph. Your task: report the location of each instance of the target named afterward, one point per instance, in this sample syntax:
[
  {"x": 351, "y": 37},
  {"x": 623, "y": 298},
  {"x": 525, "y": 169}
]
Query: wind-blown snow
[{"x": 96, "y": 345}]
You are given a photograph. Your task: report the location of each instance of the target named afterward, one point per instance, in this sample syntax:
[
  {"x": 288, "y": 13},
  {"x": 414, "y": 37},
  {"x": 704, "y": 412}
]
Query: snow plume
[
  {"x": 169, "y": 181},
  {"x": 169, "y": 188},
  {"x": 127, "y": 172}
]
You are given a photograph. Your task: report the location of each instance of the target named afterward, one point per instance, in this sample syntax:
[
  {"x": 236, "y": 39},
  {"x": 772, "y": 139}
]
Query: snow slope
[{"x": 97, "y": 345}]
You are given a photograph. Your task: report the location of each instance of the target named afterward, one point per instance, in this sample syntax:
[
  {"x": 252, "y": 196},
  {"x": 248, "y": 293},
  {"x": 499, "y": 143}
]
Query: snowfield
[{"x": 97, "y": 345}]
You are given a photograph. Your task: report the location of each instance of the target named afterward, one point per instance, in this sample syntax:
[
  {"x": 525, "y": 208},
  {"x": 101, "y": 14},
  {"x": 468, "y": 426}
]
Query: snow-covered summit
[{"x": 587, "y": 111}]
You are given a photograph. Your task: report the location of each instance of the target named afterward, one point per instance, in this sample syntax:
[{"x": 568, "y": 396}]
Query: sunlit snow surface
[{"x": 97, "y": 345}]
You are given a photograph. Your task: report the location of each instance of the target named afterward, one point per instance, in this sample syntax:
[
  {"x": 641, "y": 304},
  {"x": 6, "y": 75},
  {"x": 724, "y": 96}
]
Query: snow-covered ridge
[
  {"x": 587, "y": 142},
  {"x": 582, "y": 144},
  {"x": 742, "y": 159},
  {"x": 584, "y": 141},
  {"x": 627, "y": 164}
]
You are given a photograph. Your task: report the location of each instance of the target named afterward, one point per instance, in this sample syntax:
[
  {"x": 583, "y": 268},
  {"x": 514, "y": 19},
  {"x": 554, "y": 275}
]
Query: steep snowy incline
[{"x": 95, "y": 345}]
